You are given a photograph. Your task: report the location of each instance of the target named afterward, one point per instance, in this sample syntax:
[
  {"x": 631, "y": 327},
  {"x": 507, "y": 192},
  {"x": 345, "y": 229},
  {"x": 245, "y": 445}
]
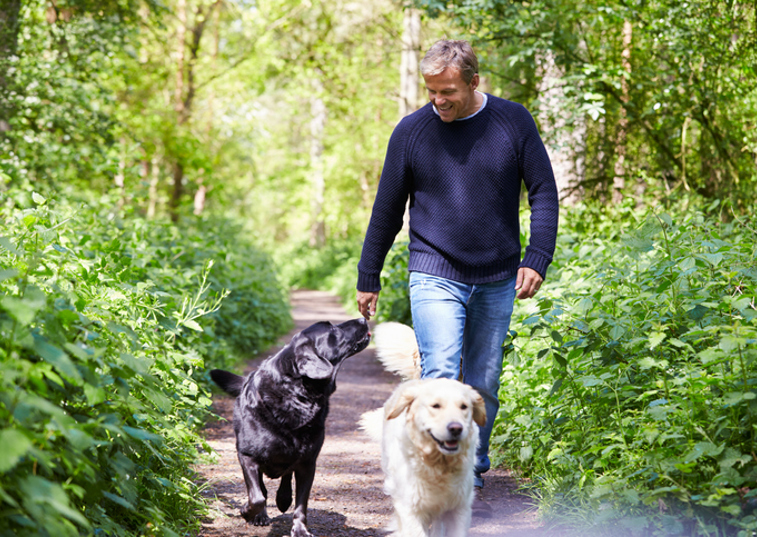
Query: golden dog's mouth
[{"x": 446, "y": 446}]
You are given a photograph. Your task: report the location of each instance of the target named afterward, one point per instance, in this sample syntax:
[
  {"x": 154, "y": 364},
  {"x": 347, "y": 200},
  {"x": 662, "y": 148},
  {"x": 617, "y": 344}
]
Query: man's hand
[
  {"x": 366, "y": 304},
  {"x": 527, "y": 282}
]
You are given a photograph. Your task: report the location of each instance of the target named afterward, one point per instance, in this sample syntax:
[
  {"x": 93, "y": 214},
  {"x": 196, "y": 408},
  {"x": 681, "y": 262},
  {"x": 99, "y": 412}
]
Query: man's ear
[
  {"x": 475, "y": 81},
  {"x": 309, "y": 364}
]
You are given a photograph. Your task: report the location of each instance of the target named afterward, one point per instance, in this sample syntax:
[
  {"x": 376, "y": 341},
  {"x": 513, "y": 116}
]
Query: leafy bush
[
  {"x": 631, "y": 401},
  {"x": 394, "y": 300},
  {"x": 105, "y": 325}
]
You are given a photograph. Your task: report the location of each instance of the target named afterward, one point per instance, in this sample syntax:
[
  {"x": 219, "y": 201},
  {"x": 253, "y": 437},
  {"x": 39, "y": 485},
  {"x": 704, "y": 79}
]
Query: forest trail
[{"x": 347, "y": 499}]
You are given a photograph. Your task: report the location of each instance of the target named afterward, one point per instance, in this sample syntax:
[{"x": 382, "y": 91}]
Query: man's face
[{"x": 452, "y": 97}]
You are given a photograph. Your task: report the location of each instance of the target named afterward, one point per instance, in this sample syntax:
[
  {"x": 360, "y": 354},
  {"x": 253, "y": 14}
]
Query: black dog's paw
[
  {"x": 284, "y": 494},
  {"x": 255, "y": 514}
]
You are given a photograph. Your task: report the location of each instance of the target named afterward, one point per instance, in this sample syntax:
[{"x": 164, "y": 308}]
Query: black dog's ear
[
  {"x": 228, "y": 382},
  {"x": 309, "y": 364}
]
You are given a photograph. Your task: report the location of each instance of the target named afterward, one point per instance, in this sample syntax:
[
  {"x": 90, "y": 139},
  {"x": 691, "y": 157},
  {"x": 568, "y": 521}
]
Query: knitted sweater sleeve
[
  {"x": 388, "y": 211},
  {"x": 536, "y": 171}
]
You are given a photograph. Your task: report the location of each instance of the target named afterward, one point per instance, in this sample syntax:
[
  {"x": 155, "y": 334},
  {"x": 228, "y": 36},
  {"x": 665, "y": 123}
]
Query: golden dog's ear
[
  {"x": 479, "y": 409},
  {"x": 401, "y": 399}
]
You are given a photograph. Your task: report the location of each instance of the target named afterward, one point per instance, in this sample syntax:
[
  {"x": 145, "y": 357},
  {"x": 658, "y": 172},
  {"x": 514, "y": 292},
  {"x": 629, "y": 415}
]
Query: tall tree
[{"x": 9, "y": 24}]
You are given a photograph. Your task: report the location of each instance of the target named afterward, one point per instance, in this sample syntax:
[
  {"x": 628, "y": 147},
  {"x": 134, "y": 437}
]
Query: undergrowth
[
  {"x": 629, "y": 396},
  {"x": 107, "y": 328}
]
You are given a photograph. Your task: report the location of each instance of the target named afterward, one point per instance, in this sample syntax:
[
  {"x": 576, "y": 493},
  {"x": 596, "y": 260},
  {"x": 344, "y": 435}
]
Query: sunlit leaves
[
  {"x": 101, "y": 363},
  {"x": 653, "y": 377}
]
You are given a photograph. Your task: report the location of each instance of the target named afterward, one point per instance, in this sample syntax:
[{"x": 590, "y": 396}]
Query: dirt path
[{"x": 347, "y": 498}]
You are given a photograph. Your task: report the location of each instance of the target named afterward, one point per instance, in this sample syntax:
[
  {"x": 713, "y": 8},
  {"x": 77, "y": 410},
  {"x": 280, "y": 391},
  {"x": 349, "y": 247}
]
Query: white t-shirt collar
[{"x": 483, "y": 104}]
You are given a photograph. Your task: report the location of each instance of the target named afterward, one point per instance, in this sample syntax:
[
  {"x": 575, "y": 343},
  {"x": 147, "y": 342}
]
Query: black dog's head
[{"x": 318, "y": 351}]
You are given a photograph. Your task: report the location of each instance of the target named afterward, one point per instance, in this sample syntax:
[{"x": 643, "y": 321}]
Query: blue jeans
[{"x": 454, "y": 320}]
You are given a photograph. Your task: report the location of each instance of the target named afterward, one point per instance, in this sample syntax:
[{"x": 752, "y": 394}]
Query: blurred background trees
[{"x": 280, "y": 110}]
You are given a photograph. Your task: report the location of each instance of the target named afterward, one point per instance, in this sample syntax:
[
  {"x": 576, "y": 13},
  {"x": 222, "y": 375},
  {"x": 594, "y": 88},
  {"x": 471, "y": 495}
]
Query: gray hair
[{"x": 450, "y": 53}]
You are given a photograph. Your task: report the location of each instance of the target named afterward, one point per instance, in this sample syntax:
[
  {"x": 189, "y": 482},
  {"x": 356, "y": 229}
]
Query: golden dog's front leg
[
  {"x": 408, "y": 523},
  {"x": 454, "y": 523}
]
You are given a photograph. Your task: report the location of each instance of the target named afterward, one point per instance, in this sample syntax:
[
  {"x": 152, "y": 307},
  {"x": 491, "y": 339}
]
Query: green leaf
[
  {"x": 38, "y": 199},
  {"x": 703, "y": 449},
  {"x": 555, "y": 387},
  {"x": 590, "y": 380},
  {"x": 94, "y": 394},
  {"x": 6, "y": 274},
  {"x": 6, "y": 243},
  {"x": 58, "y": 358},
  {"x": 25, "y": 309},
  {"x": 119, "y": 500},
  {"x": 141, "y": 434},
  {"x": 730, "y": 344},
  {"x": 38, "y": 490},
  {"x": 14, "y": 445},
  {"x": 655, "y": 338},
  {"x": 189, "y": 323}
]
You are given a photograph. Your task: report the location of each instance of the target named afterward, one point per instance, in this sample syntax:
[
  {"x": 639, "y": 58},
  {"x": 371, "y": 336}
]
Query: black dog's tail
[{"x": 228, "y": 382}]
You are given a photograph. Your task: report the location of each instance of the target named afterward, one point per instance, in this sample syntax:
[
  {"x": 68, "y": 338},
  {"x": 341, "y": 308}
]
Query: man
[{"x": 461, "y": 159}]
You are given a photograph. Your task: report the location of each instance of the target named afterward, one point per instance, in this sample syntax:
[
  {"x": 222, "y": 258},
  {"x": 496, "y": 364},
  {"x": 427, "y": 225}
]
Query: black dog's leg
[
  {"x": 254, "y": 511},
  {"x": 303, "y": 477},
  {"x": 284, "y": 494}
]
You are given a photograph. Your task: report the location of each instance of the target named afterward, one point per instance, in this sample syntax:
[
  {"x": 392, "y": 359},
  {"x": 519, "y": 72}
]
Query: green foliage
[
  {"x": 394, "y": 300},
  {"x": 631, "y": 398},
  {"x": 105, "y": 327},
  {"x": 663, "y": 87}
]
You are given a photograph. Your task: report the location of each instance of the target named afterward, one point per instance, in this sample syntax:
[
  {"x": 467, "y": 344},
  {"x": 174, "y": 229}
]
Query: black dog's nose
[{"x": 455, "y": 429}]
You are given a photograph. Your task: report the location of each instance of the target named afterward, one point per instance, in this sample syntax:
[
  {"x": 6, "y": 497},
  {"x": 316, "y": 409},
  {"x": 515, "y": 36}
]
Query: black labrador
[{"x": 280, "y": 414}]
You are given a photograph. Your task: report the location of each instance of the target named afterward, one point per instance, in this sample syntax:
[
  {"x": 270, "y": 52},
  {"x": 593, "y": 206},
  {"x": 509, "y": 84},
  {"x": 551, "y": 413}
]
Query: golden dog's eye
[
  {"x": 436, "y": 405},
  {"x": 464, "y": 407}
]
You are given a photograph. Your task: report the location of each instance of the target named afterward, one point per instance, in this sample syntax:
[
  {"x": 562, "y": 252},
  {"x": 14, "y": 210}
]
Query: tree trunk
[
  {"x": 564, "y": 143},
  {"x": 178, "y": 190},
  {"x": 184, "y": 91},
  {"x": 409, "y": 75},
  {"x": 9, "y": 11},
  {"x": 120, "y": 177},
  {"x": 619, "y": 180},
  {"x": 152, "y": 196},
  {"x": 179, "y": 105},
  {"x": 317, "y": 125},
  {"x": 199, "y": 201}
]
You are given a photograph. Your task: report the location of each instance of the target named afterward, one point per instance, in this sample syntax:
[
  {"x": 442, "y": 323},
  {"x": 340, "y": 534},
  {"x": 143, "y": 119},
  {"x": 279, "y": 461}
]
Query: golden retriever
[{"x": 429, "y": 434}]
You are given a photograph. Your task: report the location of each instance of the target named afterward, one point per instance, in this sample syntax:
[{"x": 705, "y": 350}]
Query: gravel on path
[{"x": 347, "y": 499}]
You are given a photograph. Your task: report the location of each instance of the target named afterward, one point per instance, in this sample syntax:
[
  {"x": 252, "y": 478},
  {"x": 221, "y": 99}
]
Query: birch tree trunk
[
  {"x": 317, "y": 126},
  {"x": 409, "y": 75},
  {"x": 565, "y": 145},
  {"x": 619, "y": 179}
]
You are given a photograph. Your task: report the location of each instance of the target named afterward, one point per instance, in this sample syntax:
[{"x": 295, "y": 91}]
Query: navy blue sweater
[{"x": 463, "y": 179}]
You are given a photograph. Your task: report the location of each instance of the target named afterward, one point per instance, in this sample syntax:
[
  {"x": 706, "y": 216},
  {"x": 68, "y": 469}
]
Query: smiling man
[{"x": 461, "y": 160}]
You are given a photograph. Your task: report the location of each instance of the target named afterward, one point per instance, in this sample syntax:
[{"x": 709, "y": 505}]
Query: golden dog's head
[{"x": 441, "y": 414}]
